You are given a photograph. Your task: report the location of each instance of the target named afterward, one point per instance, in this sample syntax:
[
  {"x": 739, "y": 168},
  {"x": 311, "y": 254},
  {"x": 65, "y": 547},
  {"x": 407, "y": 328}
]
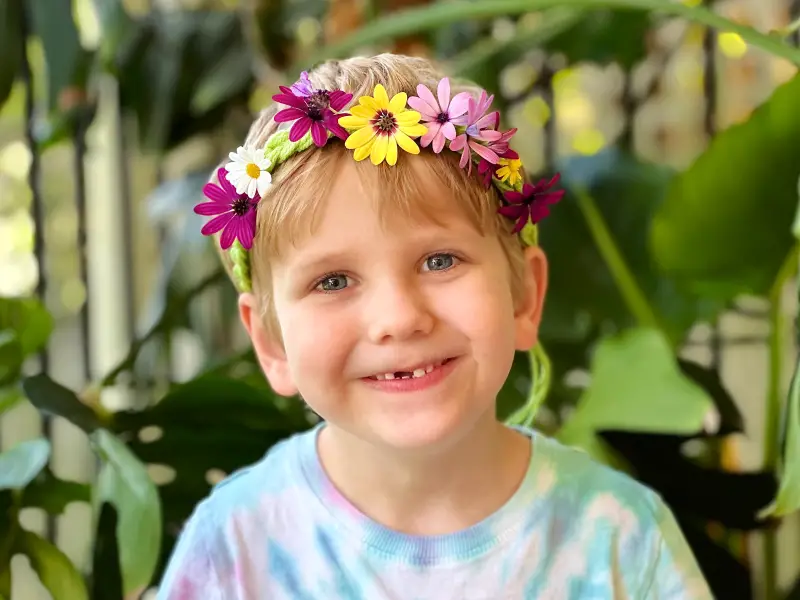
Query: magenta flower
[
  {"x": 532, "y": 204},
  {"x": 481, "y": 131},
  {"x": 236, "y": 213},
  {"x": 440, "y": 116},
  {"x": 314, "y": 111},
  {"x": 303, "y": 87}
]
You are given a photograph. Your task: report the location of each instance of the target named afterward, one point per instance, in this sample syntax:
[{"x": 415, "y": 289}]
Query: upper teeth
[{"x": 421, "y": 372}]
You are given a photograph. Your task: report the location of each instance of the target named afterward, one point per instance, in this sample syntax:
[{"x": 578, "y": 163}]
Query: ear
[
  {"x": 269, "y": 351},
  {"x": 529, "y": 309}
]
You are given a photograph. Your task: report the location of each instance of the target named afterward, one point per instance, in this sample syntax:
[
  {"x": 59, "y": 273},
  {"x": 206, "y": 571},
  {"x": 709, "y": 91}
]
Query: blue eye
[
  {"x": 440, "y": 262},
  {"x": 332, "y": 283}
]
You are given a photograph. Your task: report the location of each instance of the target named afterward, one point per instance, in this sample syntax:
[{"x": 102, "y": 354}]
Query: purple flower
[
  {"x": 480, "y": 133},
  {"x": 440, "y": 117},
  {"x": 532, "y": 203},
  {"x": 236, "y": 213},
  {"x": 303, "y": 86},
  {"x": 314, "y": 111}
]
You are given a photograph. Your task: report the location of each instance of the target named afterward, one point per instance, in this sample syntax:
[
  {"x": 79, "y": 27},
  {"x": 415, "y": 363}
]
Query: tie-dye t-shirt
[{"x": 574, "y": 530}]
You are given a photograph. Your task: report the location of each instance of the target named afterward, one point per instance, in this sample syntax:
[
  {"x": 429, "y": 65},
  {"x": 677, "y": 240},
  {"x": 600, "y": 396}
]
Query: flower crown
[{"x": 377, "y": 127}]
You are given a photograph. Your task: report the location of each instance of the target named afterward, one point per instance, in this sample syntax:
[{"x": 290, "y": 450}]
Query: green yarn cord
[{"x": 541, "y": 374}]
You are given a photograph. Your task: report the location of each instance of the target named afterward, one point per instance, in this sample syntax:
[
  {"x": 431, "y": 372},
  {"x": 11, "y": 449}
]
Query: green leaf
[
  {"x": 55, "y": 399},
  {"x": 55, "y": 570},
  {"x": 9, "y": 398},
  {"x": 11, "y": 45},
  {"x": 10, "y": 357},
  {"x": 605, "y": 36},
  {"x": 636, "y": 386},
  {"x": 22, "y": 463},
  {"x": 439, "y": 14},
  {"x": 29, "y": 319},
  {"x": 124, "y": 483},
  {"x": 52, "y": 494},
  {"x": 67, "y": 63},
  {"x": 723, "y": 235}
]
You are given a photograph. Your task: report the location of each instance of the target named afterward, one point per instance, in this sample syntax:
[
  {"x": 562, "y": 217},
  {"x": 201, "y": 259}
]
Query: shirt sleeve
[
  {"x": 191, "y": 573},
  {"x": 674, "y": 572}
]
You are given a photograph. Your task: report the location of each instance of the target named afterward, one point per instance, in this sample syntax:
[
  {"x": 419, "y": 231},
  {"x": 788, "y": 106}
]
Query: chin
[{"x": 423, "y": 434}]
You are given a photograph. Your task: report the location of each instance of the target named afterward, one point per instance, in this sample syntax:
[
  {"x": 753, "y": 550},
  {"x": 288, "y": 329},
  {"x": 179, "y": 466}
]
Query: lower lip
[{"x": 413, "y": 384}]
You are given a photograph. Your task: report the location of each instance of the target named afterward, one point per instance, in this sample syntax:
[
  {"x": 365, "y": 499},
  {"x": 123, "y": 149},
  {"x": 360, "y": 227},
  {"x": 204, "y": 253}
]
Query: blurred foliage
[{"x": 688, "y": 243}]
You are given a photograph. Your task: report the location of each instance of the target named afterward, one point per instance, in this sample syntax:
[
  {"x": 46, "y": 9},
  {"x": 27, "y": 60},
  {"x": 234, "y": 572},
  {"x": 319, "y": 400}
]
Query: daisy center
[
  {"x": 385, "y": 122},
  {"x": 316, "y": 105},
  {"x": 442, "y": 118},
  {"x": 241, "y": 206},
  {"x": 253, "y": 171}
]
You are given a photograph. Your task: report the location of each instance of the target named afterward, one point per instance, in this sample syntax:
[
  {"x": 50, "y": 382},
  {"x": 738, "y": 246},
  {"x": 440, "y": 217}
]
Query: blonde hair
[{"x": 289, "y": 209}]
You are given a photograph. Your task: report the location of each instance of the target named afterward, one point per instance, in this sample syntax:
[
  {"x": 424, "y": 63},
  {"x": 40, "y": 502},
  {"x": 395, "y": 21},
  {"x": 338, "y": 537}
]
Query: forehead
[{"x": 334, "y": 191}]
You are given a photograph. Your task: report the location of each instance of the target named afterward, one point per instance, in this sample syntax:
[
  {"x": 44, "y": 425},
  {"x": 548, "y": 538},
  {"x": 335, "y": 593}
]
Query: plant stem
[
  {"x": 441, "y": 14},
  {"x": 774, "y": 407},
  {"x": 628, "y": 287}
]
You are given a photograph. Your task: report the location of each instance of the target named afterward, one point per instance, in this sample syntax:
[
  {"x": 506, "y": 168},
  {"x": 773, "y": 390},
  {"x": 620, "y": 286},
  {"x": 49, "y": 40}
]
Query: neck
[{"x": 431, "y": 493}]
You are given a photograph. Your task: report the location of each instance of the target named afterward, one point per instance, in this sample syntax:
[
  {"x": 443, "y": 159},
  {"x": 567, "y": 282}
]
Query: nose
[{"x": 398, "y": 311}]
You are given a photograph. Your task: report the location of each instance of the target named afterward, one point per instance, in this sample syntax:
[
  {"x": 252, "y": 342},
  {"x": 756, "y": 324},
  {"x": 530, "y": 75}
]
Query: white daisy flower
[{"x": 248, "y": 171}]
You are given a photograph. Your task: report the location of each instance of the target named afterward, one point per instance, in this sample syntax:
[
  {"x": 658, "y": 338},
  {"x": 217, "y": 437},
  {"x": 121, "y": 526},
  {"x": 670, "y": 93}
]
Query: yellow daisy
[
  {"x": 381, "y": 125},
  {"x": 510, "y": 171}
]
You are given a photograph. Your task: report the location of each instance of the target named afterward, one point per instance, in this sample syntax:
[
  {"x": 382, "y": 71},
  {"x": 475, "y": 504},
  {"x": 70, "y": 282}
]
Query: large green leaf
[
  {"x": 583, "y": 297},
  {"x": 213, "y": 422},
  {"x": 725, "y": 227},
  {"x": 52, "y": 494},
  {"x": 22, "y": 463},
  {"x": 636, "y": 386},
  {"x": 54, "y": 569},
  {"x": 11, "y": 358},
  {"x": 125, "y": 484},
  {"x": 29, "y": 319},
  {"x": 605, "y": 36},
  {"x": 54, "y": 399},
  {"x": 439, "y": 14},
  {"x": 10, "y": 46}
]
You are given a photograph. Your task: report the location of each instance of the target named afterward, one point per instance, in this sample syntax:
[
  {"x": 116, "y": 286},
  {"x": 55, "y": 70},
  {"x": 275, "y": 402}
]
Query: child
[{"x": 377, "y": 226}]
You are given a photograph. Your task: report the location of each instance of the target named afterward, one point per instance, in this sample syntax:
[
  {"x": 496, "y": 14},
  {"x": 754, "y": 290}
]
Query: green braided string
[{"x": 541, "y": 375}]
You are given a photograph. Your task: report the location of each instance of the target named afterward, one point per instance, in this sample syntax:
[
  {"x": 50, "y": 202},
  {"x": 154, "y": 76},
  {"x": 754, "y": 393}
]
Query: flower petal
[
  {"x": 299, "y": 129},
  {"x": 398, "y": 103},
  {"x": 339, "y": 99},
  {"x": 363, "y": 151},
  {"x": 484, "y": 152},
  {"x": 241, "y": 183},
  {"x": 438, "y": 142},
  {"x": 515, "y": 197},
  {"x": 370, "y": 103},
  {"x": 208, "y": 209},
  {"x": 407, "y": 118},
  {"x": 378, "y": 152},
  {"x": 512, "y": 212},
  {"x": 229, "y": 233},
  {"x": 217, "y": 223},
  {"x": 252, "y": 188},
  {"x": 290, "y": 100},
  {"x": 458, "y": 143},
  {"x": 332, "y": 123},
  {"x": 354, "y": 122},
  {"x": 362, "y": 111},
  {"x": 381, "y": 97},
  {"x": 449, "y": 131},
  {"x": 423, "y": 108},
  {"x": 443, "y": 91},
  {"x": 459, "y": 106},
  {"x": 391, "y": 151},
  {"x": 263, "y": 183},
  {"x": 288, "y": 114},
  {"x": 413, "y": 130},
  {"x": 225, "y": 183},
  {"x": 319, "y": 134},
  {"x": 360, "y": 137},
  {"x": 246, "y": 233},
  {"x": 216, "y": 193},
  {"x": 406, "y": 143},
  {"x": 427, "y": 96},
  {"x": 433, "y": 130}
]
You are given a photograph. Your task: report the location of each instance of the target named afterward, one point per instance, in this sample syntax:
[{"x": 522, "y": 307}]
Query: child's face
[{"x": 357, "y": 301}]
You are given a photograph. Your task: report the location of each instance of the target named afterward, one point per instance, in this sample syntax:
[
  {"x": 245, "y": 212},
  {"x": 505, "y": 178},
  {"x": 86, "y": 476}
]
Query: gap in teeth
[{"x": 421, "y": 372}]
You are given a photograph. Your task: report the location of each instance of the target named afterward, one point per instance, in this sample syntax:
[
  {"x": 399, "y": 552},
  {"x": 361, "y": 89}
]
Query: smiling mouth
[{"x": 417, "y": 373}]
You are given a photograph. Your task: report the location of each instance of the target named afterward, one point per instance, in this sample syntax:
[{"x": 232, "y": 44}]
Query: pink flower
[
  {"x": 480, "y": 133},
  {"x": 303, "y": 87},
  {"x": 532, "y": 203},
  {"x": 314, "y": 111},
  {"x": 440, "y": 117},
  {"x": 236, "y": 213}
]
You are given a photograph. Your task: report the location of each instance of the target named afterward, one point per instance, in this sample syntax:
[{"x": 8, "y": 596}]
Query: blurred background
[{"x": 127, "y": 388}]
